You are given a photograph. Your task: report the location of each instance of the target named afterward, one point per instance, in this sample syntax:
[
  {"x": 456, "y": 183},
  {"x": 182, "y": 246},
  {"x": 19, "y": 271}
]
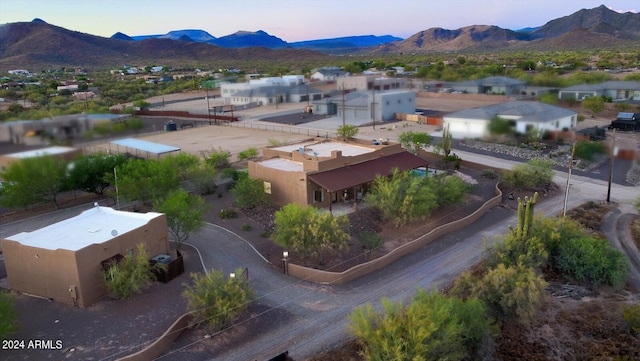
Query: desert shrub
[
  {"x": 581, "y": 118},
  {"x": 489, "y": 173},
  {"x": 591, "y": 260},
  {"x": 134, "y": 123},
  {"x": 535, "y": 173},
  {"x": 228, "y": 213},
  {"x": 432, "y": 327},
  {"x": 512, "y": 251},
  {"x": 218, "y": 159},
  {"x": 249, "y": 193},
  {"x": 8, "y": 315},
  {"x": 102, "y": 127},
  {"x": 452, "y": 159},
  {"x": 132, "y": 274},
  {"x": 249, "y": 153},
  {"x": 511, "y": 292},
  {"x": 119, "y": 127},
  {"x": 217, "y": 301},
  {"x": 587, "y": 150},
  {"x": 370, "y": 240},
  {"x": 246, "y": 227},
  {"x": 631, "y": 314}
]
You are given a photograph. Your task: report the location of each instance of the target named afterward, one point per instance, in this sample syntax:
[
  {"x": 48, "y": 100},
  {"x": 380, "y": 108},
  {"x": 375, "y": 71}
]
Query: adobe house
[
  {"x": 321, "y": 172},
  {"x": 64, "y": 261},
  {"x": 58, "y": 152}
]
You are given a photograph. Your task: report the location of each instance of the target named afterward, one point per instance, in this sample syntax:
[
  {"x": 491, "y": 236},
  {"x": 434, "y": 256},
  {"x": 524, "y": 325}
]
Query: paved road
[{"x": 319, "y": 313}]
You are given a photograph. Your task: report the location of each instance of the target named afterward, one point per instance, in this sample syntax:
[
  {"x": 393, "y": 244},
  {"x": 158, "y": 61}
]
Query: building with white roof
[
  {"x": 321, "y": 172},
  {"x": 58, "y": 152},
  {"x": 64, "y": 261}
]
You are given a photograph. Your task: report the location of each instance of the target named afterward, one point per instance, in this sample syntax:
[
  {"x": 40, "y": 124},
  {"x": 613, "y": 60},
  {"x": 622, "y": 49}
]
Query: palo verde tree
[
  {"x": 309, "y": 231},
  {"x": 414, "y": 141},
  {"x": 347, "y": 131},
  {"x": 144, "y": 180},
  {"x": 87, "y": 172},
  {"x": 184, "y": 214},
  {"x": 432, "y": 327},
  {"x": 594, "y": 104},
  {"x": 249, "y": 193},
  {"x": 216, "y": 301},
  {"x": 37, "y": 179}
]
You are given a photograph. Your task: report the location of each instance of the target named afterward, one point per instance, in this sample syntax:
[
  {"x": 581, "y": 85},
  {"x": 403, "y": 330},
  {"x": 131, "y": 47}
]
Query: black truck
[{"x": 626, "y": 121}]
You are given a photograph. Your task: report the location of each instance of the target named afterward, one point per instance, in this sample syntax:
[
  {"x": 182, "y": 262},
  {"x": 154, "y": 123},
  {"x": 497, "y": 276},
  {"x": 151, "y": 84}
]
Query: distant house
[
  {"x": 371, "y": 82},
  {"x": 328, "y": 74},
  {"x": 617, "y": 90},
  {"x": 58, "y": 152},
  {"x": 381, "y": 105},
  {"x": 491, "y": 85},
  {"x": 156, "y": 69},
  {"x": 269, "y": 94},
  {"x": 523, "y": 116}
]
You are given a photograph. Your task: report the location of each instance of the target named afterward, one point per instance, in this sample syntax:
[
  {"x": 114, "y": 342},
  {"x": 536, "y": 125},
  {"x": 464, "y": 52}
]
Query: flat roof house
[
  {"x": 524, "y": 115},
  {"x": 64, "y": 261},
  {"x": 58, "y": 152},
  {"x": 321, "y": 172}
]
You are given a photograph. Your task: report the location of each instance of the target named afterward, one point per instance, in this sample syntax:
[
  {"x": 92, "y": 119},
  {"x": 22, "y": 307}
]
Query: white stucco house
[
  {"x": 522, "y": 115},
  {"x": 617, "y": 90},
  {"x": 491, "y": 85},
  {"x": 381, "y": 105}
]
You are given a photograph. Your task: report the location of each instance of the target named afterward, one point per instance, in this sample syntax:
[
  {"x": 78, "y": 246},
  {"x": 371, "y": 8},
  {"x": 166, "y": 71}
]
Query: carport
[{"x": 141, "y": 148}]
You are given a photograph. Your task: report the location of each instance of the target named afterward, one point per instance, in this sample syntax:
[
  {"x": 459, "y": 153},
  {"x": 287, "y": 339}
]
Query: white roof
[
  {"x": 145, "y": 146},
  {"x": 323, "y": 149},
  {"x": 41, "y": 152},
  {"x": 283, "y": 164},
  {"x": 93, "y": 226}
]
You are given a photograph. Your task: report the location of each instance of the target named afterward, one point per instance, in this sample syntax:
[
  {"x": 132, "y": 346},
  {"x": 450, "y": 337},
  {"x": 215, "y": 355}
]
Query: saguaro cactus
[{"x": 525, "y": 216}]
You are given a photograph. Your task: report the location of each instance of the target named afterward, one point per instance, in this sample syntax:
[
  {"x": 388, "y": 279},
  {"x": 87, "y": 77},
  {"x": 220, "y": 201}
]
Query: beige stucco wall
[{"x": 51, "y": 273}]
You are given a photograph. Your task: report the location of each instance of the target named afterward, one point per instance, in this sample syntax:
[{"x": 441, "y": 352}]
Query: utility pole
[
  {"x": 373, "y": 104},
  {"x": 208, "y": 106},
  {"x": 343, "y": 107},
  {"x": 613, "y": 155},
  {"x": 566, "y": 191}
]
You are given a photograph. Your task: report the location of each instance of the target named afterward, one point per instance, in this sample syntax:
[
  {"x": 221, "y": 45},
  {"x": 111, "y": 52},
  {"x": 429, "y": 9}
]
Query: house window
[{"x": 318, "y": 195}]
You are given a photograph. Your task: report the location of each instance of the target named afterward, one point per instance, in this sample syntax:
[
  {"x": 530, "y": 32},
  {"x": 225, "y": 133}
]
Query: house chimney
[{"x": 336, "y": 153}]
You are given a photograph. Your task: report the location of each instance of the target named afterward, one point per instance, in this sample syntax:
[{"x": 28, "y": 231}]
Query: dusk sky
[{"x": 293, "y": 20}]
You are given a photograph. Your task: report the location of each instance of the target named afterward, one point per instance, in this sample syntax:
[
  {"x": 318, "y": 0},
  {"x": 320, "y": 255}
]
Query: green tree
[
  {"x": 588, "y": 150},
  {"x": 594, "y": 104},
  {"x": 183, "y": 163},
  {"x": 184, "y": 214},
  {"x": 414, "y": 141},
  {"x": 431, "y": 327},
  {"x": 8, "y": 315},
  {"x": 144, "y": 180},
  {"x": 87, "y": 172},
  {"x": 402, "y": 197},
  {"x": 36, "y": 179},
  {"x": 132, "y": 274},
  {"x": 309, "y": 231},
  {"x": 217, "y": 301},
  {"x": 249, "y": 193},
  {"x": 549, "y": 98},
  {"x": 347, "y": 131}
]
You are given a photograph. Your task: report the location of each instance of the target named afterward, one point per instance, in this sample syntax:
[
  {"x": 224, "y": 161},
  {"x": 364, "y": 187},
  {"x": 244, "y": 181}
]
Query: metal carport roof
[
  {"x": 138, "y": 145},
  {"x": 355, "y": 174}
]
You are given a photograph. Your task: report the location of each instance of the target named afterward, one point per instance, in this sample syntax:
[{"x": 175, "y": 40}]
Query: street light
[
  {"x": 285, "y": 261},
  {"x": 232, "y": 276}
]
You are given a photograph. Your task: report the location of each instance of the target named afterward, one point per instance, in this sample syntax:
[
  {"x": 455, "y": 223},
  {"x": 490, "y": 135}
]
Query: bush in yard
[
  {"x": 535, "y": 173},
  {"x": 593, "y": 261},
  {"x": 631, "y": 314},
  {"x": 132, "y": 274},
  {"x": 228, "y": 213},
  {"x": 588, "y": 150},
  {"x": 249, "y": 193},
  {"x": 217, "y": 301},
  {"x": 8, "y": 315},
  {"x": 249, "y": 153}
]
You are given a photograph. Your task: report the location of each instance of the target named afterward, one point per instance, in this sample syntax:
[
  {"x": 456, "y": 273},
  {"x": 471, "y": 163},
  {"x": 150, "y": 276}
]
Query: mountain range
[{"x": 38, "y": 45}]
